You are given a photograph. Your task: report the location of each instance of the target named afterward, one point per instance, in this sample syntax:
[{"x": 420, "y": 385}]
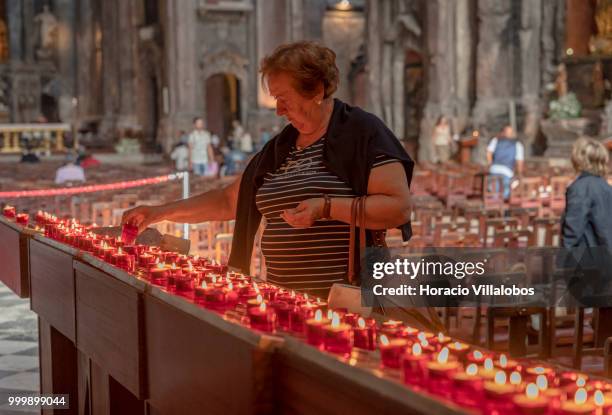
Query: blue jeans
[
  {"x": 199, "y": 169},
  {"x": 505, "y": 183}
]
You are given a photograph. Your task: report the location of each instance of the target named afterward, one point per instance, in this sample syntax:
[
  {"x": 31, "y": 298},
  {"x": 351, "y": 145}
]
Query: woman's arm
[
  {"x": 387, "y": 204},
  {"x": 576, "y": 216},
  {"x": 218, "y": 204}
]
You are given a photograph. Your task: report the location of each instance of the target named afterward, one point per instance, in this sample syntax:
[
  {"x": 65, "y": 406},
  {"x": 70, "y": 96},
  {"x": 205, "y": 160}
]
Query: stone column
[
  {"x": 110, "y": 68},
  {"x": 181, "y": 56},
  {"x": 127, "y": 47},
  {"x": 374, "y": 42},
  {"x": 29, "y": 35},
  {"x": 463, "y": 54},
  {"x": 14, "y": 20},
  {"x": 494, "y": 65},
  {"x": 86, "y": 63},
  {"x": 531, "y": 68}
]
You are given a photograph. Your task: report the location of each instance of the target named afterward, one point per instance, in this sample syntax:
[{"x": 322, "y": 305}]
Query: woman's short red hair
[{"x": 308, "y": 63}]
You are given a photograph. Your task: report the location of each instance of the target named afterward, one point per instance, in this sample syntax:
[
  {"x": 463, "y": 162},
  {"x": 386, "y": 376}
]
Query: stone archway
[
  {"x": 225, "y": 70},
  {"x": 222, "y": 103}
]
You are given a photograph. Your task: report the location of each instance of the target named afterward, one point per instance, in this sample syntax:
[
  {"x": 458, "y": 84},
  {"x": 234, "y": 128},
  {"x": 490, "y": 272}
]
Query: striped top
[{"x": 309, "y": 259}]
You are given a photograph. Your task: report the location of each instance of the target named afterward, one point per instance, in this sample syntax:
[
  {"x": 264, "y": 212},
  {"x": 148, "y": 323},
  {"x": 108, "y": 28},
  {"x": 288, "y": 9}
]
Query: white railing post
[{"x": 185, "y": 196}]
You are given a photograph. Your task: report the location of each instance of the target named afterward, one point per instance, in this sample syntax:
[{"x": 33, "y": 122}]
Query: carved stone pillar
[
  {"x": 15, "y": 28},
  {"x": 494, "y": 65}
]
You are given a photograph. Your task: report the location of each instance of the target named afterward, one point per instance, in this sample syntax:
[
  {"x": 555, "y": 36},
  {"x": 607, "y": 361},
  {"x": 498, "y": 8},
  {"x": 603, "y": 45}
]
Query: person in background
[
  {"x": 442, "y": 140},
  {"x": 180, "y": 153},
  {"x": 505, "y": 157},
  {"x": 69, "y": 172},
  {"x": 200, "y": 147},
  {"x": 586, "y": 220}
]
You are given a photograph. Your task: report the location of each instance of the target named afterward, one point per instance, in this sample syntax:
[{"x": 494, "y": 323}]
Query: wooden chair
[
  {"x": 493, "y": 192},
  {"x": 558, "y": 187}
]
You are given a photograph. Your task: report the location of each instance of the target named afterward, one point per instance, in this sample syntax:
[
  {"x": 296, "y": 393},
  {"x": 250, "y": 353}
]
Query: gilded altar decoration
[{"x": 602, "y": 42}]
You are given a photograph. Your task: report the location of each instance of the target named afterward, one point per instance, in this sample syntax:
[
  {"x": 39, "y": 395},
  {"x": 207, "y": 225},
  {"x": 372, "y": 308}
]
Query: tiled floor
[{"x": 19, "y": 372}]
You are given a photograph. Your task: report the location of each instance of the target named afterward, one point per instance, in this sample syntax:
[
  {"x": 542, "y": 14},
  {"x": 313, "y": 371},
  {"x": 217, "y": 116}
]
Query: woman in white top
[{"x": 442, "y": 140}]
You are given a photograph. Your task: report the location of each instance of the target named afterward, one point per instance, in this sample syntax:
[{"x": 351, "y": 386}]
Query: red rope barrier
[{"x": 90, "y": 188}]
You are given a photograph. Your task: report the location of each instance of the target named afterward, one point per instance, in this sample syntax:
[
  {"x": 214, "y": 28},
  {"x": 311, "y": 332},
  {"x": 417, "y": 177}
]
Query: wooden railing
[{"x": 50, "y": 136}]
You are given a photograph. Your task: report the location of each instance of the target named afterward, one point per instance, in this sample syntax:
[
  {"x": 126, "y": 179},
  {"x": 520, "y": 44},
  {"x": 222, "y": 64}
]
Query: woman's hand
[
  {"x": 142, "y": 216},
  {"x": 304, "y": 214}
]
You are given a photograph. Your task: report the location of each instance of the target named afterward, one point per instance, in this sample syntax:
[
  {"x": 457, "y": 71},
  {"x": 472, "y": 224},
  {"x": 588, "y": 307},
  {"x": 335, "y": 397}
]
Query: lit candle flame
[
  {"x": 441, "y": 337},
  {"x": 384, "y": 340},
  {"x": 515, "y": 378},
  {"x": 472, "y": 369},
  {"x": 335, "y": 320},
  {"x": 230, "y": 286},
  {"x": 190, "y": 266},
  {"x": 306, "y": 297},
  {"x": 539, "y": 370},
  {"x": 459, "y": 346},
  {"x": 120, "y": 251},
  {"x": 361, "y": 323},
  {"x": 203, "y": 285},
  {"x": 542, "y": 382},
  {"x": 214, "y": 279},
  {"x": 478, "y": 354},
  {"x": 159, "y": 265},
  {"x": 532, "y": 391},
  {"x": 173, "y": 265},
  {"x": 318, "y": 315},
  {"x": 488, "y": 364},
  {"x": 500, "y": 377},
  {"x": 443, "y": 355},
  {"x": 421, "y": 337},
  {"x": 503, "y": 360},
  {"x": 104, "y": 246},
  {"x": 119, "y": 239},
  {"x": 416, "y": 349},
  {"x": 259, "y": 299},
  {"x": 599, "y": 398},
  {"x": 581, "y": 381},
  {"x": 580, "y": 397},
  {"x": 262, "y": 307},
  {"x": 424, "y": 343},
  {"x": 330, "y": 314}
]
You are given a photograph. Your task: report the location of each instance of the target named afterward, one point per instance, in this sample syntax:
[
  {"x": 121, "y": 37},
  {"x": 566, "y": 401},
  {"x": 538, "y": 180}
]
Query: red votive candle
[
  {"x": 184, "y": 284},
  {"x": 531, "y": 402},
  {"x": 129, "y": 233},
  {"x": 391, "y": 328},
  {"x": 459, "y": 350},
  {"x": 413, "y": 365},
  {"x": 337, "y": 336},
  {"x": 439, "y": 372},
  {"x": 283, "y": 310},
  {"x": 9, "y": 212},
  {"x": 299, "y": 314},
  {"x": 146, "y": 259},
  {"x": 314, "y": 329},
  {"x": 158, "y": 274},
  {"x": 500, "y": 393},
  {"x": 262, "y": 317},
  {"x": 22, "y": 218},
  {"x": 580, "y": 405},
  {"x": 391, "y": 351},
  {"x": 214, "y": 297},
  {"x": 505, "y": 364},
  {"x": 468, "y": 386},
  {"x": 364, "y": 333}
]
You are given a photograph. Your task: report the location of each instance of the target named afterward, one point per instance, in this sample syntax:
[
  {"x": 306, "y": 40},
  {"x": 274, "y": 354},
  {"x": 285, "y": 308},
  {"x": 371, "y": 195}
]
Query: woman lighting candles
[{"x": 303, "y": 181}]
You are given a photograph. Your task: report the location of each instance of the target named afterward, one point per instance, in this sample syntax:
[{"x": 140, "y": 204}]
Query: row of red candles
[{"x": 434, "y": 364}]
